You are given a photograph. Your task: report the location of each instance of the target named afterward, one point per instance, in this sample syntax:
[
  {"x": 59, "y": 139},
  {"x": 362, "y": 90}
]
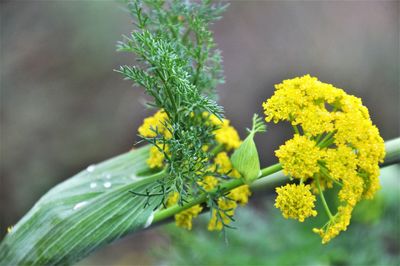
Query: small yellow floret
[
  {"x": 222, "y": 216},
  {"x": 299, "y": 157},
  {"x": 240, "y": 194},
  {"x": 172, "y": 199},
  {"x": 225, "y": 134},
  {"x": 156, "y": 158},
  {"x": 339, "y": 223},
  {"x": 155, "y": 122},
  {"x": 208, "y": 182},
  {"x": 184, "y": 218},
  {"x": 224, "y": 166},
  {"x": 295, "y": 201}
]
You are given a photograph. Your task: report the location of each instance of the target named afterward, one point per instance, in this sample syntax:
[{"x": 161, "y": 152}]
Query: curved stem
[{"x": 321, "y": 194}]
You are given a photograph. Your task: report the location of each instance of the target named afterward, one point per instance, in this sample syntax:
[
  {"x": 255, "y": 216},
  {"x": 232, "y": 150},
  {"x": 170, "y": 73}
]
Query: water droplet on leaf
[
  {"x": 80, "y": 205},
  {"x": 91, "y": 168}
]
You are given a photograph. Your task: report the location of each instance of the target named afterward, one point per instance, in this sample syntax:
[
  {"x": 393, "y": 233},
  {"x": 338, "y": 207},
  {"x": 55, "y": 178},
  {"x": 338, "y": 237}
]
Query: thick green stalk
[{"x": 392, "y": 148}]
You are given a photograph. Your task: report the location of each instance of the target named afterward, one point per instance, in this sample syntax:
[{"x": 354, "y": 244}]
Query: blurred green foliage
[{"x": 264, "y": 237}]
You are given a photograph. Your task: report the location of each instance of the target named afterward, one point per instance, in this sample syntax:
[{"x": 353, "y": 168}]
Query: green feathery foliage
[{"x": 179, "y": 67}]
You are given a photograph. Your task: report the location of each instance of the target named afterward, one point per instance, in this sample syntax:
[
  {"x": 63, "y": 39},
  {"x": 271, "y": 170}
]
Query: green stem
[
  {"x": 323, "y": 199},
  {"x": 225, "y": 187},
  {"x": 325, "y": 139},
  {"x": 392, "y": 148},
  {"x": 296, "y": 129},
  {"x": 270, "y": 170},
  {"x": 217, "y": 149}
]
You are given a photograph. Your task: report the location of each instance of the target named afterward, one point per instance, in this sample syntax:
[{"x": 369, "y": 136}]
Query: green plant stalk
[
  {"x": 392, "y": 148},
  {"x": 166, "y": 213},
  {"x": 321, "y": 194}
]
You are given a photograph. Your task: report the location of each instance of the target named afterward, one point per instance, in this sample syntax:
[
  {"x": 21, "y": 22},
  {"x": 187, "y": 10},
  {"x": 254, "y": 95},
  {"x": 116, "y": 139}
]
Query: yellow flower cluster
[
  {"x": 295, "y": 201},
  {"x": 339, "y": 144},
  {"x": 225, "y": 134},
  {"x": 151, "y": 125},
  {"x": 339, "y": 223},
  {"x": 299, "y": 157},
  {"x": 155, "y": 123},
  {"x": 224, "y": 166},
  {"x": 156, "y": 158},
  {"x": 209, "y": 182},
  {"x": 184, "y": 219},
  {"x": 302, "y": 101}
]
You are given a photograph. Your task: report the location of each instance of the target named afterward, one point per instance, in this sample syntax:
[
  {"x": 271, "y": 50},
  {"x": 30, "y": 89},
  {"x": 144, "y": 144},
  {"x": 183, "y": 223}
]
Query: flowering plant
[{"x": 195, "y": 160}]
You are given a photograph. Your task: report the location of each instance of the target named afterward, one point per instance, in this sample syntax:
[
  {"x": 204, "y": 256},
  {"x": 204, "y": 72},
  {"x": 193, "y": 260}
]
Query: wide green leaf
[{"x": 81, "y": 214}]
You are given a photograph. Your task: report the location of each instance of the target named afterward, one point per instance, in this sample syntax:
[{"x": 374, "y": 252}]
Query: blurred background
[{"x": 63, "y": 108}]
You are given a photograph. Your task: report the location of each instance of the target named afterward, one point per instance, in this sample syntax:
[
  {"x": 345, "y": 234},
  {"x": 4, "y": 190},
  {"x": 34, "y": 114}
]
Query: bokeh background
[{"x": 63, "y": 107}]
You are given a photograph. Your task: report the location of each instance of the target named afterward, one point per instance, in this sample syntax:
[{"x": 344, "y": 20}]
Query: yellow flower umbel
[
  {"x": 335, "y": 144},
  {"x": 295, "y": 201}
]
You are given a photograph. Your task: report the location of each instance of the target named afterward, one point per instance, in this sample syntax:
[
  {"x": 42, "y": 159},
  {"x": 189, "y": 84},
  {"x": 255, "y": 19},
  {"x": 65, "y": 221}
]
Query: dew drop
[
  {"x": 80, "y": 205},
  {"x": 107, "y": 184},
  {"x": 149, "y": 220},
  {"x": 93, "y": 185},
  {"x": 91, "y": 168},
  {"x": 108, "y": 176}
]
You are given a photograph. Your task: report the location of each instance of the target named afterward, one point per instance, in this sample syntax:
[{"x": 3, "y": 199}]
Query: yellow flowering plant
[
  {"x": 195, "y": 160},
  {"x": 335, "y": 146}
]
